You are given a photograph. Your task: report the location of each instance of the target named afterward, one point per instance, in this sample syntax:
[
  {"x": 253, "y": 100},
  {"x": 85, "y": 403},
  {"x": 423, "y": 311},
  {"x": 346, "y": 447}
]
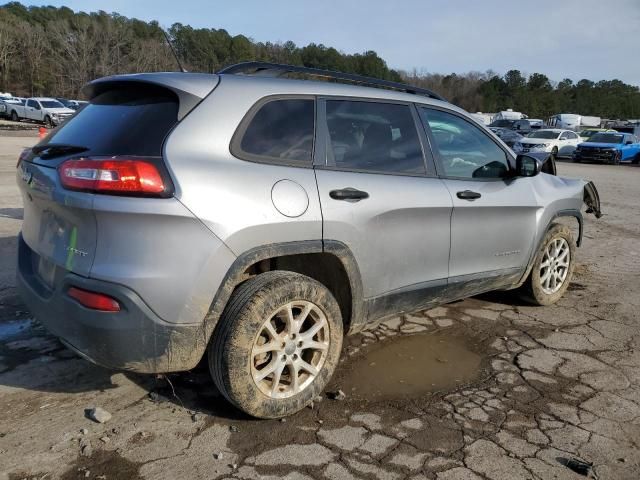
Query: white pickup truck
[{"x": 45, "y": 110}]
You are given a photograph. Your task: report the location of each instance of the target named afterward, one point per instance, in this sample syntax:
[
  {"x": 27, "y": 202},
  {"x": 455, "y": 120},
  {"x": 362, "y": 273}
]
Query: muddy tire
[
  {"x": 277, "y": 344},
  {"x": 552, "y": 268}
]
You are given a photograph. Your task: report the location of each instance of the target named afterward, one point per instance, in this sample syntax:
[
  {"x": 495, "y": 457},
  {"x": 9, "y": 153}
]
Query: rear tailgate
[
  {"x": 59, "y": 226},
  {"x": 127, "y": 116}
]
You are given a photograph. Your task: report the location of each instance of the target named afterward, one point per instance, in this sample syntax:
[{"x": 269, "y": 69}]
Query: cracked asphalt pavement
[{"x": 486, "y": 388}]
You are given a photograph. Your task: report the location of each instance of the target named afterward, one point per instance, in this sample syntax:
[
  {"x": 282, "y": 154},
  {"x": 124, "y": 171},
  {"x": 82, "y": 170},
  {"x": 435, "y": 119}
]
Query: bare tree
[{"x": 7, "y": 49}]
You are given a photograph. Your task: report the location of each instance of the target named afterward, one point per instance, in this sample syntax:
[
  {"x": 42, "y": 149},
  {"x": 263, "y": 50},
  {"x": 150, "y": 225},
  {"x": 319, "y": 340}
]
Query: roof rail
[{"x": 276, "y": 69}]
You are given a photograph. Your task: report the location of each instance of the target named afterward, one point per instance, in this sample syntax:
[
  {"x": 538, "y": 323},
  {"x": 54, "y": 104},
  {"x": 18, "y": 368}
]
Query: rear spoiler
[{"x": 190, "y": 88}]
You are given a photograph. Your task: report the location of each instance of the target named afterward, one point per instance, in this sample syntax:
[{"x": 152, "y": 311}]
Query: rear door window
[
  {"x": 131, "y": 120},
  {"x": 373, "y": 137},
  {"x": 278, "y": 131}
]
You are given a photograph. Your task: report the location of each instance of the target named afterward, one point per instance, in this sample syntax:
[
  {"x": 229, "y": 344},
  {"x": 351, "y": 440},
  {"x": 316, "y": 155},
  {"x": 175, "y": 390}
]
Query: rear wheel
[
  {"x": 14, "y": 116},
  {"x": 277, "y": 344},
  {"x": 636, "y": 159},
  {"x": 552, "y": 268}
]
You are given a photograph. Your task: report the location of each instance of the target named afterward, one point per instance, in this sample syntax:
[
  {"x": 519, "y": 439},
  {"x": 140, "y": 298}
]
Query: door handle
[
  {"x": 468, "y": 195},
  {"x": 348, "y": 194}
]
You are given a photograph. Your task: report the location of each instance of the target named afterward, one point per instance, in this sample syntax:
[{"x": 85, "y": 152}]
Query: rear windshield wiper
[{"x": 54, "y": 149}]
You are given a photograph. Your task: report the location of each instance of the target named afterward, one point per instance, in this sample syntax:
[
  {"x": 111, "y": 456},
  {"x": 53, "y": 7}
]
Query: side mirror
[
  {"x": 629, "y": 142},
  {"x": 527, "y": 166}
]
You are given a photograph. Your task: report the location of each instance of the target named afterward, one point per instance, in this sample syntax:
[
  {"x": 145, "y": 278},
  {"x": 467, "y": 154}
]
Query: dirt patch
[
  {"x": 411, "y": 366},
  {"x": 103, "y": 464}
]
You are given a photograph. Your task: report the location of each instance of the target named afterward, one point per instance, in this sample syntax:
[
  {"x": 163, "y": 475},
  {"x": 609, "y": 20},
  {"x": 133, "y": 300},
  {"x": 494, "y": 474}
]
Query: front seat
[{"x": 376, "y": 148}]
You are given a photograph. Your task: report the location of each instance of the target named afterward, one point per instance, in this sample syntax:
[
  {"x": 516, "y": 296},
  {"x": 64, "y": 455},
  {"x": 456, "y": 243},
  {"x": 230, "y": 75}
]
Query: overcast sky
[{"x": 594, "y": 39}]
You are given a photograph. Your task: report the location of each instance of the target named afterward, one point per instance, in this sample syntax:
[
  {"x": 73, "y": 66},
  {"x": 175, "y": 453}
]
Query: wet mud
[{"x": 411, "y": 366}]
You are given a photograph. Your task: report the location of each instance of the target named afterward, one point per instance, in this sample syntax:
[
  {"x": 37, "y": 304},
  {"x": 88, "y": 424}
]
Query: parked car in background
[
  {"x": 608, "y": 147},
  {"x": 509, "y": 114},
  {"x": 587, "y": 133},
  {"x": 508, "y": 136},
  {"x": 523, "y": 127},
  {"x": 72, "y": 104},
  {"x": 257, "y": 220},
  {"x": 502, "y": 124},
  {"x": 536, "y": 123},
  {"x": 557, "y": 142},
  {"x": 44, "y": 110},
  {"x": 7, "y": 103}
]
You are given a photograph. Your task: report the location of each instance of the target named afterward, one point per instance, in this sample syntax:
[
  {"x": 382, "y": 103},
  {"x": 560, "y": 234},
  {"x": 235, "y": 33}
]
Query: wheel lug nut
[
  {"x": 300, "y": 344},
  {"x": 284, "y": 358},
  {"x": 295, "y": 356}
]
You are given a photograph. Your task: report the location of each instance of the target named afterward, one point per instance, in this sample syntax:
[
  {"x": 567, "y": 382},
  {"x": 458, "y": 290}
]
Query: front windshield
[
  {"x": 607, "y": 138},
  {"x": 546, "y": 134},
  {"x": 51, "y": 104},
  {"x": 588, "y": 133}
]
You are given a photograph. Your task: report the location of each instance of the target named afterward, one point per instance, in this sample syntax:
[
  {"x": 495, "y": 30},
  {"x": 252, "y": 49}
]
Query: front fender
[{"x": 591, "y": 199}]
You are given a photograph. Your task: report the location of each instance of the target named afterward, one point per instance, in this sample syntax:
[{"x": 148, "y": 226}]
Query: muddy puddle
[{"x": 411, "y": 366}]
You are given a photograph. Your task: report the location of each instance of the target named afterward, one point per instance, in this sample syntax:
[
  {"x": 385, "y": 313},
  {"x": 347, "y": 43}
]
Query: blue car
[{"x": 609, "y": 147}]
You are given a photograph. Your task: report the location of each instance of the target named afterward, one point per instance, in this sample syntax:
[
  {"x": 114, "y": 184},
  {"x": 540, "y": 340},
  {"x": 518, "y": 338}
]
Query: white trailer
[{"x": 572, "y": 121}]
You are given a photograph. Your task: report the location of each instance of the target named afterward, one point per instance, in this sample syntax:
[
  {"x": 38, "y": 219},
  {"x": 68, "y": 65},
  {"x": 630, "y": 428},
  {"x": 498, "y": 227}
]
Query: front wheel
[
  {"x": 47, "y": 122},
  {"x": 552, "y": 268},
  {"x": 277, "y": 344}
]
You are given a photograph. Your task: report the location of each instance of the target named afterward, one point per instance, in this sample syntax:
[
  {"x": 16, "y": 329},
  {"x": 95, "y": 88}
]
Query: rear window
[
  {"x": 280, "y": 131},
  {"x": 124, "y": 121}
]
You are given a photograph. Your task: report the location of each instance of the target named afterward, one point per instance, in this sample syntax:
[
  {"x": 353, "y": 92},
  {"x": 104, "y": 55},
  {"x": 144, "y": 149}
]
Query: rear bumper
[{"x": 133, "y": 339}]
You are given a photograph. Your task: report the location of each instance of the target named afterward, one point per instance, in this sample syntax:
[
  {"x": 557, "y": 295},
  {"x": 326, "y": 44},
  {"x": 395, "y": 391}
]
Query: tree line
[{"x": 55, "y": 51}]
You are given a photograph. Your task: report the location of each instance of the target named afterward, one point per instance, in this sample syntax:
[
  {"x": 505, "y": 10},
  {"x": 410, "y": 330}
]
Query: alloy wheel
[
  {"x": 555, "y": 266},
  {"x": 290, "y": 349}
]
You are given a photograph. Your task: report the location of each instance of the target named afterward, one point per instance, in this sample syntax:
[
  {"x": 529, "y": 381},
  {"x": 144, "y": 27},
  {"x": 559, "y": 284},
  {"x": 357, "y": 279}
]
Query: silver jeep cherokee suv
[{"x": 257, "y": 219}]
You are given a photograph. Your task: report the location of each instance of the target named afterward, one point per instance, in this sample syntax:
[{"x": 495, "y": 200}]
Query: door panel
[
  {"x": 399, "y": 235},
  {"x": 494, "y": 219},
  {"x": 399, "y": 228},
  {"x": 492, "y": 232}
]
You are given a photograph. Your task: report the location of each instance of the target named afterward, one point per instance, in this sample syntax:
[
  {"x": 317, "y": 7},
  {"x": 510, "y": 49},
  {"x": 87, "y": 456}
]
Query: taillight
[
  {"x": 116, "y": 176},
  {"x": 94, "y": 300}
]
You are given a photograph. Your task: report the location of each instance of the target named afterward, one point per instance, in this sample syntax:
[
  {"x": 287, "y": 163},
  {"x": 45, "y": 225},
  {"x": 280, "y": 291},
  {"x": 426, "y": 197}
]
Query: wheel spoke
[
  {"x": 267, "y": 347},
  {"x": 302, "y": 316},
  {"x": 267, "y": 370},
  {"x": 309, "y": 334},
  {"x": 275, "y": 384},
  {"x": 294, "y": 373},
  {"x": 313, "y": 345},
  {"x": 271, "y": 331},
  {"x": 308, "y": 367},
  {"x": 291, "y": 321}
]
